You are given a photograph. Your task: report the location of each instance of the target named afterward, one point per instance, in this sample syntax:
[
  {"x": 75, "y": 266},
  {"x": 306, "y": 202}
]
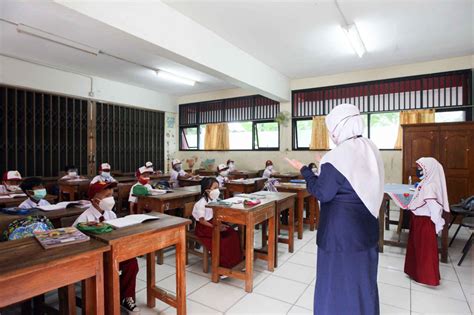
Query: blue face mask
[
  {"x": 419, "y": 173},
  {"x": 39, "y": 194}
]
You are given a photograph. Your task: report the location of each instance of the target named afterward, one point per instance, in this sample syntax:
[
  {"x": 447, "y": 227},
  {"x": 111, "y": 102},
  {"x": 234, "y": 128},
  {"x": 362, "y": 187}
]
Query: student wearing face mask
[
  {"x": 222, "y": 173},
  {"x": 269, "y": 171},
  {"x": 176, "y": 173},
  {"x": 11, "y": 182},
  {"x": 231, "y": 166},
  {"x": 101, "y": 209},
  {"x": 71, "y": 173},
  {"x": 104, "y": 174},
  {"x": 230, "y": 251},
  {"x": 34, "y": 189},
  {"x": 141, "y": 188},
  {"x": 313, "y": 168}
]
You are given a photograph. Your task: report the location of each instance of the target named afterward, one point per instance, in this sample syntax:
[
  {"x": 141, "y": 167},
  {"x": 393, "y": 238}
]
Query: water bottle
[{"x": 409, "y": 180}]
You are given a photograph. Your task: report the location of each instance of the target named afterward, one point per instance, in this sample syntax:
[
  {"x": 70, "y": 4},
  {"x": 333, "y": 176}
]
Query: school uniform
[
  {"x": 4, "y": 190},
  {"x": 174, "y": 175},
  {"x": 230, "y": 251},
  {"x": 131, "y": 197},
  {"x": 129, "y": 268},
  {"x": 101, "y": 178},
  {"x": 267, "y": 173},
  {"x": 222, "y": 180},
  {"x": 28, "y": 203}
]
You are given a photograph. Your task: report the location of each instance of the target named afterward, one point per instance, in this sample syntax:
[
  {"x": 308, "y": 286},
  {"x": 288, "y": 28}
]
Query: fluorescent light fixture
[
  {"x": 173, "y": 77},
  {"x": 21, "y": 28},
  {"x": 353, "y": 36}
]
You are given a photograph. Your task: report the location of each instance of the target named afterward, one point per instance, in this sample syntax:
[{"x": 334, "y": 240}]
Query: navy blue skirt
[{"x": 346, "y": 283}]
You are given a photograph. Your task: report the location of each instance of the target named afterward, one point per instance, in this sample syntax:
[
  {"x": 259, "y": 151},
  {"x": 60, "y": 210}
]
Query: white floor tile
[
  {"x": 140, "y": 285},
  {"x": 282, "y": 289},
  {"x": 306, "y": 300},
  {"x": 296, "y": 272},
  {"x": 388, "y": 309},
  {"x": 141, "y": 303},
  {"x": 394, "y": 296},
  {"x": 193, "y": 308},
  {"x": 391, "y": 261},
  {"x": 434, "y": 304},
  {"x": 258, "y": 277},
  {"x": 193, "y": 282},
  {"x": 310, "y": 247},
  {"x": 451, "y": 289},
  {"x": 161, "y": 272},
  {"x": 296, "y": 310},
  {"x": 394, "y": 277},
  {"x": 304, "y": 258},
  {"x": 218, "y": 296},
  {"x": 259, "y": 304},
  {"x": 447, "y": 272}
]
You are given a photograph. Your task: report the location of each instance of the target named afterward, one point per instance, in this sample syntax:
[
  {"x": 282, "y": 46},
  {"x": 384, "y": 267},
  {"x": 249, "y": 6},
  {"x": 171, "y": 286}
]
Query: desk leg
[
  {"x": 67, "y": 300},
  {"x": 216, "y": 244},
  {"x": 312, "y": 213},
  {"x": 93, "y": 296},
  {"x": 249, "y": 231},
  {"x": 272, "y": 249},
  {"x": 181, "y": 274},
  {"x": 150, "y": 279},
  {"x": 299, "y": 214},
  {"x": 112, "y": 290},
  {"x": 381, "y": 226},
  {"x": 277, "y": 234},
  {"x": 444, "y": 239},
  {"x": 291, "y": 230}
]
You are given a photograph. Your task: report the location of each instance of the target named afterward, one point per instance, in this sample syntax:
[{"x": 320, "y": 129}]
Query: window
[
  {"x": 189, "y": 138},
  {"x": 267, "y": 135},
  {"x": 450, "y": 116},
  {"x": 384, "y": 129},
  {"x": 303, "y": 133},
  {"x": 240, "y": 135}
]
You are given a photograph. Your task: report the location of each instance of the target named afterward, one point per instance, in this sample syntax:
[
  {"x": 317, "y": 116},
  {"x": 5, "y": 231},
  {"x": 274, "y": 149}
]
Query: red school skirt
[
  {"x": 230, "y": 251},
  {"x": 422, "y": 260}
]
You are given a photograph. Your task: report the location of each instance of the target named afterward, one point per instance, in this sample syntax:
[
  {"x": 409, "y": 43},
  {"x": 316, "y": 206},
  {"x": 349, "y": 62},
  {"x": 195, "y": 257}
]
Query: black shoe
[{"x": 129, "y": 305}]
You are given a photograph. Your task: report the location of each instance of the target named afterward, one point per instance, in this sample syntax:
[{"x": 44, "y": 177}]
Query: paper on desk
[
  {"x": 155, "y": 192},
  {"x": 5, "y": 197},
  {"x": 131, "y": 220},
  {"x": 65, "y": 204},
  {"x": 17, "y": 195}
]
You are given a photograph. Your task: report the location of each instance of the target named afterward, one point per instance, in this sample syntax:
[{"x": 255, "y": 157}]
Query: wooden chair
[
  {"x": 260, "y": 184},
  {"x": 123, "y": 191},
  {"x": 192, "y": 239}
]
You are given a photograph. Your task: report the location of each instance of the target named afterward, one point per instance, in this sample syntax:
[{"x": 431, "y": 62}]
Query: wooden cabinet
[{"x": 452, "y": 144}]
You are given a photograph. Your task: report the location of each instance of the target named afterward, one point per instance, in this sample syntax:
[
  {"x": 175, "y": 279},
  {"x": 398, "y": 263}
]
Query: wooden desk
[
  {"x": 385, "y": 207},
  {"x": 302, "y": 194},
  {"x": 161, "y": 203},
  {"x": 183, "y": 182},
  {"x": 243, "y": 174},
  {"x": 164, "y": 176},
  {"x": 248, "y": 218},
  {"x": 54, "y": 216},
  {"x": 202, "y": 172},
  {"x": 247, "y": 186},
  {"x": 126, "y": 179},
  {"x": 286, "y": 177},
  {"x": 283, "y": 201},
  {"x": 141, "y": 239},
  {"x": 15, "y": 202},
  {"x": 76, "y": 189},
  {"x": 28, "y": 270}
]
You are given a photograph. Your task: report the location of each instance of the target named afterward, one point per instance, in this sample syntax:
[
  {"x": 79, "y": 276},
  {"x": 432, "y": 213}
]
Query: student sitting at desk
[
  {"x": 176, "y": 173},
  {"x": 34, "y": 189},
  {"x": 142, "y": 187},
  {"x": 223, "y": 172},
  {"x": 11, "y": 182},
  {"x": 230, "y": 251},
  {"x": 231, "y": 166},
  {"x": 102, "y": 204},
  {"x": 104, "y": 174},
  {"x": 71, "y": 173},
  {"x": 269, "y": 171}
]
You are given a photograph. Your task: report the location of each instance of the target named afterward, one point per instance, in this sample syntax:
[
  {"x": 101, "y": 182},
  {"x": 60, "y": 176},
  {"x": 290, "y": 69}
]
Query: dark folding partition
[
  {"x": 42, "y": 132},
  {"x": 127, "y": 137}
]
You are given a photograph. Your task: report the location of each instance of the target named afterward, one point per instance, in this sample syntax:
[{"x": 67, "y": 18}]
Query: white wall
[
  {"x": 34, "y": 76},
  {"x": 252, "y": 160}
]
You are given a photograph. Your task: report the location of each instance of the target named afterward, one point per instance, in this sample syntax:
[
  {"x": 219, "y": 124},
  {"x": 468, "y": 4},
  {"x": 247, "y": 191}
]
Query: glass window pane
[
  {"x": 303, "y": 130},
  {"x": 189, "y": 139},
  {"x": 451, "y": 116},
  {"x": 266, "y": 135},
  {"x": 384, "y": 129},
  {"x": 202, "y": 135},
  {"x": 240, "y": 135}
]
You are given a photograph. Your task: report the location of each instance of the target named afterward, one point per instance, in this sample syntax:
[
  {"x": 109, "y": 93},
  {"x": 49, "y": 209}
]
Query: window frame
[{"x": 181, "y": 130}]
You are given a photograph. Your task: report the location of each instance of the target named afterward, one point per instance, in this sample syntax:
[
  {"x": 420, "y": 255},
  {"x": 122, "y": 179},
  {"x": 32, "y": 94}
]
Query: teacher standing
[{"x": 350, "y": 189}]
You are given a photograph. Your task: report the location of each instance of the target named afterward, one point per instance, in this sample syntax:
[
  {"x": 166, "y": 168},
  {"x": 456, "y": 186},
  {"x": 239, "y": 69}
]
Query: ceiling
[
  {"x": 302, "y": 38},
  {"x": 61, "y": 21}
]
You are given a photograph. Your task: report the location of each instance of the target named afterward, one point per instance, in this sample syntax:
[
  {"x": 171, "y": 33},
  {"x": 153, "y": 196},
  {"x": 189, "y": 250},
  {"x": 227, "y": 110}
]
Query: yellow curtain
[
  {"x": 418, "y": 116},
  {"x": 319, "y": 134},
  {"x": 217, "y": 137}
]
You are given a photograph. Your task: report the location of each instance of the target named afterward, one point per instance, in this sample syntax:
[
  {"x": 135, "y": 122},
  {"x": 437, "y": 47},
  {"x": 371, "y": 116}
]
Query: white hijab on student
[{"x": 355, "y": 157}]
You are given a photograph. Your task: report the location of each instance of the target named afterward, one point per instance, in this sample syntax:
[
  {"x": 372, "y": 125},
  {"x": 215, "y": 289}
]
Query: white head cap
[
  {"x": 175, "y": 162},
  {"x": 104, "y": 166},
  {"x": 222, "y": 167}
]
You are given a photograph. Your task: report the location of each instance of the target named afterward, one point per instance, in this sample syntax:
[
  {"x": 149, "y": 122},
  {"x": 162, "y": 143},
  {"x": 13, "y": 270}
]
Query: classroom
[{"x": 238, "y": 157}]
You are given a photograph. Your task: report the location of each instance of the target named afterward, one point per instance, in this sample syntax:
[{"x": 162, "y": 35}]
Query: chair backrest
[
  {"x": 260, "y": 184},
  {"x": 68, "y": 221},
  {"x": 188, "y": 210}
]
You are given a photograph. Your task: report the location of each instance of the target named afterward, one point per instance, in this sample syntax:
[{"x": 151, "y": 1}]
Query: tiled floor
[{"x": 290, "y": 288}]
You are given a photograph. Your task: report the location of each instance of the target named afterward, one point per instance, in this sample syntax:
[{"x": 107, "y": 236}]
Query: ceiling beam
[{"x": 184, "y": 41}]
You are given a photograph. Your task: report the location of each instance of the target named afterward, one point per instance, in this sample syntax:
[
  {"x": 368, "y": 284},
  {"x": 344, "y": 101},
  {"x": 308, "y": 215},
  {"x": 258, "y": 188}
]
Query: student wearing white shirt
[
  {"x": 269, "y": 171},
  {"x": 34, "y": 189},
  {"x": 223, "y": 172},
  {"x": 104, "y": 174},
  {"x": 102, "y": 204},
  {"x": 142, "y": 187},
  {"x": 230, "y": 251},
  {"x": 176, "y": 173},
  {"x": 71, "y": 173},
  {"x": 231, "y": 166},
  {"x": 11, "y": 182}
]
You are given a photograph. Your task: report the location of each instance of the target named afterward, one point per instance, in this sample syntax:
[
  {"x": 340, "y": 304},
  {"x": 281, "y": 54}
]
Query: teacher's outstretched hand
[{"x": 295, "y": 164}]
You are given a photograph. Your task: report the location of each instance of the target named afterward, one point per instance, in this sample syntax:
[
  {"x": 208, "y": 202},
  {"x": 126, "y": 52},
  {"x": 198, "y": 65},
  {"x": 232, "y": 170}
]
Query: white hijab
[
  {"x": 355, "y": 157},
  {"x": 432, "y": 186}
]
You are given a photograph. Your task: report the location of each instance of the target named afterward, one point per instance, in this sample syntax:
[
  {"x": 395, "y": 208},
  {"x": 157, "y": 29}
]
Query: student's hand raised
[{"x": 295, "y": 164}]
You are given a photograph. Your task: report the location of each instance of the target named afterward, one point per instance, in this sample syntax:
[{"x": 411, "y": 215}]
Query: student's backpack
[{"x": 25, "y": 227}]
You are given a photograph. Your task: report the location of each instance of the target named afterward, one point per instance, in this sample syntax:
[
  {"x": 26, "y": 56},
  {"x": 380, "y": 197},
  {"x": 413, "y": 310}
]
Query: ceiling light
[
  {"x": 21, "y": 28},
  {"x": 353, "y": 36},
  {"x": 172, "y": 77}
]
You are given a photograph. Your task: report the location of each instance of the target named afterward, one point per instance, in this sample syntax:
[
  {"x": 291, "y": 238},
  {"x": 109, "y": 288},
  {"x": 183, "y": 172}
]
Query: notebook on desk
[
  {"x": 130, "y": 220},
  {"x": 60, "y": 237},
  {"x": 64, "y": 205}
]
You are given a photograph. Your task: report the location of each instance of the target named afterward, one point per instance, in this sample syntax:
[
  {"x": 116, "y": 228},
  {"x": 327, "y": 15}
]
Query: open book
[
  {"x": 65, "y": 204},
  {"x": 130, "y": 220},
  {"x": 60, "y": 237}
]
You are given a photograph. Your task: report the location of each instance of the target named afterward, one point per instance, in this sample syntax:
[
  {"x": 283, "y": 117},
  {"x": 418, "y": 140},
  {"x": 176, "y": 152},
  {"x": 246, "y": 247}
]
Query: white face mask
[
  {"x": 106, "y": 174},
  {"x": 107, "y": 204},
  {"x": 72, "y": 174},
  {"x": 231, "y": 166},
  {"x": 214, "y": 194},
  {"x": 12, "y": 187},
  {"x": 270, "y": 167},
  {"x": 224, "y": 173}
]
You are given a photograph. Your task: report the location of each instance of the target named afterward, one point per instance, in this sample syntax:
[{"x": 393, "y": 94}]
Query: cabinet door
[
  {"x": 418, "y": 142},
  {"x": 456, "y": 156}
]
